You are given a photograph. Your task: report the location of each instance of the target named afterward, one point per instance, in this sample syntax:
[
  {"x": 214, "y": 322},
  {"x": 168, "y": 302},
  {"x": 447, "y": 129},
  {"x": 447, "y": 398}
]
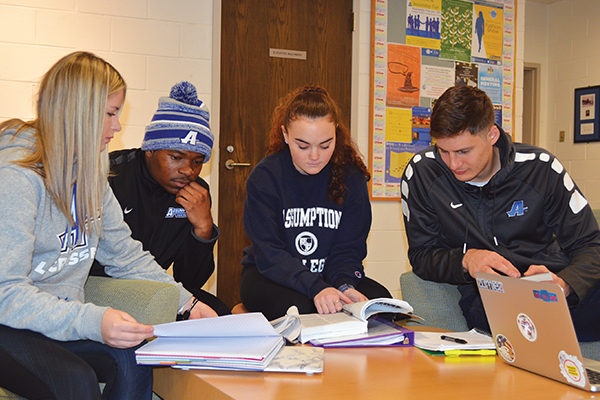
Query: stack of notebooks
[
  {"x": 356, "y": 326},
  {"x": 232, "y": 342}
]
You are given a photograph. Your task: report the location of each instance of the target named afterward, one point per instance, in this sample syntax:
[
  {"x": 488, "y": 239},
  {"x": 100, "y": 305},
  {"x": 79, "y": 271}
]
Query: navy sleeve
[
  {"x": 194, "y": 263},
  {"x": 344, "y": 263},
  {"x": 430, "y": 258},
  {"x": 263, "y": 224},
  {"x": 570, "y": 217}
]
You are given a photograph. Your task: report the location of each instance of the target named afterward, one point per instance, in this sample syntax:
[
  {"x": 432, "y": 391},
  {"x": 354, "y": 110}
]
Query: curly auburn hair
[{"x": 315, "y": 102}]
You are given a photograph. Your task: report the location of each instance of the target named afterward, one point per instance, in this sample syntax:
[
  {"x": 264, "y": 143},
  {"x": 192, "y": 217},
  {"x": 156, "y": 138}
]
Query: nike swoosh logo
[
  {"x": 127, "y": 210},
  {"x": 455, "y": 205}
]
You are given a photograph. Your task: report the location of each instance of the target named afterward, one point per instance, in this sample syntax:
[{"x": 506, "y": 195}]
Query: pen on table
[
  {"x": 453, "y": 339},
  {"x": 481, "y": 352}
]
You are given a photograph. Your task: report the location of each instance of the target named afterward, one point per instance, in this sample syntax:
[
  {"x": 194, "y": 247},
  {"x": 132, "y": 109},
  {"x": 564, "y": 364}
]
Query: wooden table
[{"x": 375, "y": 373}]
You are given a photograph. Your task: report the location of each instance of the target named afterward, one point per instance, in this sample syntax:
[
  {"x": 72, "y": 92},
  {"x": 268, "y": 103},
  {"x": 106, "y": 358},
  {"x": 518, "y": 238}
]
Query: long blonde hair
[{"x": 68, "y": 134}]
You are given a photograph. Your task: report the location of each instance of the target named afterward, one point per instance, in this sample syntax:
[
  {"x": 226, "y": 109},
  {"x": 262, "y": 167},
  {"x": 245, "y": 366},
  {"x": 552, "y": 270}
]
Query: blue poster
[
  {"x": 498, "y": 114},
  {"x": 421, "y": 122},
  {"x": 490, "y": 81}
]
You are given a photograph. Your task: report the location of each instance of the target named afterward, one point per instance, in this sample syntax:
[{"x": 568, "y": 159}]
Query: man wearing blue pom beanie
[{"x": 165, "y": 202}]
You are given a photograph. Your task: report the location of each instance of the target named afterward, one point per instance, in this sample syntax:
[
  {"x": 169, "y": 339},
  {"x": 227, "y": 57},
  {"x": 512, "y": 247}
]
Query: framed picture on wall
[{"x": 587, "y": 114}]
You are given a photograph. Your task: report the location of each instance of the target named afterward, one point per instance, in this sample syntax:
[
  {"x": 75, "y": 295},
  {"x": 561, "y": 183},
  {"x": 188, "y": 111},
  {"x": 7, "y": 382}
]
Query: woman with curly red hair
[{"x": 307, "y": 213}]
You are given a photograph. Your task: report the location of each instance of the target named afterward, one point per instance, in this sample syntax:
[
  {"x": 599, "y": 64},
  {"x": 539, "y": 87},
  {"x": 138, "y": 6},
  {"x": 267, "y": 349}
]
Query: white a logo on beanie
[{"x": 190, "y": 138}]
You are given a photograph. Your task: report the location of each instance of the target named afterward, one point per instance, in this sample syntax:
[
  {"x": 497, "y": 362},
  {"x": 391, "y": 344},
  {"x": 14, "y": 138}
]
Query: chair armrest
[
  {"x": 436, "y": 303},
  {"x": 148, "y": 302},
  {"x": 590, "y": 350}
]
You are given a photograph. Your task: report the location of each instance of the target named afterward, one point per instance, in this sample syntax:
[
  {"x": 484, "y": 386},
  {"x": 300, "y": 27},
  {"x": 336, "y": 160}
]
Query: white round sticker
[
  {"x": 527, "y": 327},
  {"x": 571, "y": 368}
]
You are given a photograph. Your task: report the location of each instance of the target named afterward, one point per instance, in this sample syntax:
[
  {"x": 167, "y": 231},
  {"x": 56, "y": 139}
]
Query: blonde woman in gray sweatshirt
[{"x": 57, "y": 214}]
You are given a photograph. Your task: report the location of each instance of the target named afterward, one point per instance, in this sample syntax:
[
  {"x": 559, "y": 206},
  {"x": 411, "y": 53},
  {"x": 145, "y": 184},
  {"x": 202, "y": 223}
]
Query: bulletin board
[{"x": 419, "y": 48}]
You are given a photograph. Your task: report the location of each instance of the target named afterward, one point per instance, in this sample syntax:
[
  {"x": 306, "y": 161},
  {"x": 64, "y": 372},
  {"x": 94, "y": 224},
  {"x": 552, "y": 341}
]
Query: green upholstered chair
[
  {"x": 437, "y": 303},
  {"x": 597, "y": 215},
  {"x": 148, "y": 302}
]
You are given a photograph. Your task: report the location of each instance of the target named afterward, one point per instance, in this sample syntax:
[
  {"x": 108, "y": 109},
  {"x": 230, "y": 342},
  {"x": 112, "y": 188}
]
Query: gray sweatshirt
[{"x": 44, "y": 263}]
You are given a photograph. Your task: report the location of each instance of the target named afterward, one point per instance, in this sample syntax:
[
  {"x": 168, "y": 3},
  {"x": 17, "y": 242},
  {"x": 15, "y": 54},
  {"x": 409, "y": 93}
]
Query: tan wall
[{"x": 563, "y": 38}]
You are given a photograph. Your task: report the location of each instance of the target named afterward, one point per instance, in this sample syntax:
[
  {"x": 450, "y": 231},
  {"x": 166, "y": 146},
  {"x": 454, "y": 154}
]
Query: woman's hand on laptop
[{"x": 540, "y": 269}]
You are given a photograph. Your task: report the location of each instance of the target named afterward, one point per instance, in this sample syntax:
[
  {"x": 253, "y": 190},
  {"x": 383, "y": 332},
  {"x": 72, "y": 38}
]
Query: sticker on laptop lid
[
  {"x": 527, "y": 327},
  {"x": 545, "y": 295},
  {"x": 488, "y": 284},
  {"x": 505, "y": 349},
  {"x": 571, "y": 368}
]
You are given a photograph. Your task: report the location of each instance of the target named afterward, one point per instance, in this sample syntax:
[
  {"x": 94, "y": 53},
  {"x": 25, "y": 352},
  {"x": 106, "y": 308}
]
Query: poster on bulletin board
[{"x": 419, "y": 49}]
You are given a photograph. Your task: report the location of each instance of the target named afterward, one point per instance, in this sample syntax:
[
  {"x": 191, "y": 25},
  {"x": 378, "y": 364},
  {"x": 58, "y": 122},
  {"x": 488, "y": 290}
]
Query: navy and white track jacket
[{"x": 530, "y": 212}]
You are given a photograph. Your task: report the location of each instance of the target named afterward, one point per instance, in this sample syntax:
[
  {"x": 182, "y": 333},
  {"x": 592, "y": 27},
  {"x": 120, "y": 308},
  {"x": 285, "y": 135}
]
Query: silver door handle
[{"x": 230, "y": 164}]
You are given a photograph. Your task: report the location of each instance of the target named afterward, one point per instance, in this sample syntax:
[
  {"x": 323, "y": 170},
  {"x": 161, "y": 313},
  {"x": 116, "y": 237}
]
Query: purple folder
[{"x": 381, "y": 333}]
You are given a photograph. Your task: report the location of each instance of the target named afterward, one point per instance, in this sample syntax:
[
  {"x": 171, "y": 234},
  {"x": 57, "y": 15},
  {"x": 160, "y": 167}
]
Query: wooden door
[{"x": 252, "y": 81}]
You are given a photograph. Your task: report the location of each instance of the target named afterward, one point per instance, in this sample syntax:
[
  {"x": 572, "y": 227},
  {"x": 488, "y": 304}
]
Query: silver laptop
[{"x": 532, "y": 329}]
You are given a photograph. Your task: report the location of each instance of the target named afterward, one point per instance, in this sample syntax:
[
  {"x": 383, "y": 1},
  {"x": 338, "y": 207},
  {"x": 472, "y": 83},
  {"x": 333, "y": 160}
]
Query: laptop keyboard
[{"x": 593, "y": 376}]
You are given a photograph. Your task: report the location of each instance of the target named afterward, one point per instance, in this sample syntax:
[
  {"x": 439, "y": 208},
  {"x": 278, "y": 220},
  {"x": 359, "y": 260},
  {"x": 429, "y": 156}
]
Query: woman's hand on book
[
  {"x": 122, "y": 331},
  {"x": 330, "y": 300},
  {"x": 355, "y": 295}
]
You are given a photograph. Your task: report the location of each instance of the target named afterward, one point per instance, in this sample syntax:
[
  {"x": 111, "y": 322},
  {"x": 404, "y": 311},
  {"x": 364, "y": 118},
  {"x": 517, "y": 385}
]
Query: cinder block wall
[
  {"x": 153, "y": 43},
  {"x": 562, "y": 37}
]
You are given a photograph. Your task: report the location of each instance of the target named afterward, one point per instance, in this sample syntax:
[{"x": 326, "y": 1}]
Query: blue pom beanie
[{"x": 180, "y": 123}]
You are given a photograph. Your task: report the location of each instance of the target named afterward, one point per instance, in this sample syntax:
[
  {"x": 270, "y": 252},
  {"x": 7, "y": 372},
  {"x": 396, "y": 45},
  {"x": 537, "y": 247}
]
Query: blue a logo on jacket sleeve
[{"x": 518, "y": 209}]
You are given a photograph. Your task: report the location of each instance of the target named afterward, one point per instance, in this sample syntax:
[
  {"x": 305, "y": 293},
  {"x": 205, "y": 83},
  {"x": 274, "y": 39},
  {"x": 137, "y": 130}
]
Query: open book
[
  {"x": 240, "y": 342},
  {"x": 365, "y": 309},
  {"x": 352, "y": 320}
]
